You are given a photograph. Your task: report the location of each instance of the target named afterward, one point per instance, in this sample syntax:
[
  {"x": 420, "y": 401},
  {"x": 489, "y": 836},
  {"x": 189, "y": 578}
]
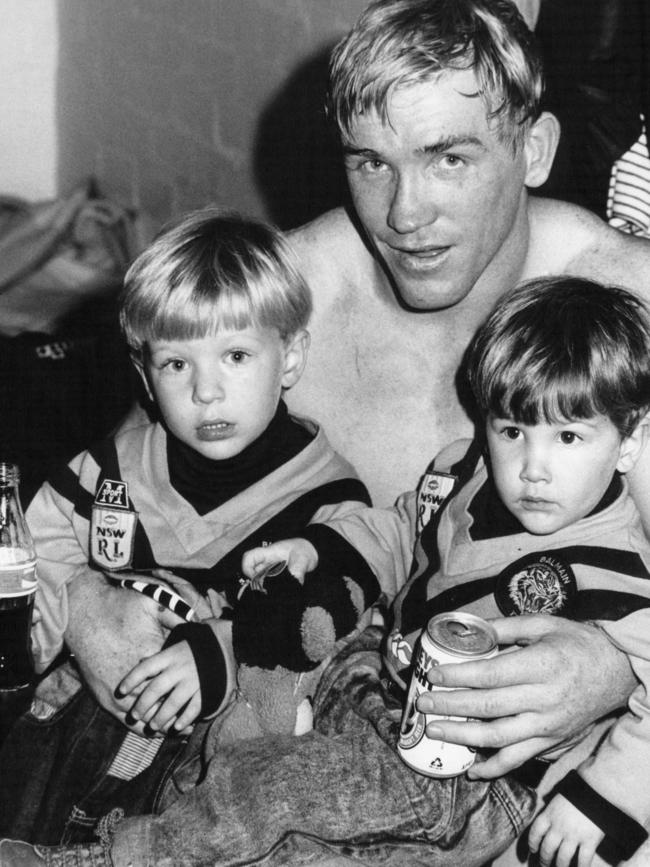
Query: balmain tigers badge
[
  {"x": 539, "y": 583},
  {"x": 112, "y": 526}
]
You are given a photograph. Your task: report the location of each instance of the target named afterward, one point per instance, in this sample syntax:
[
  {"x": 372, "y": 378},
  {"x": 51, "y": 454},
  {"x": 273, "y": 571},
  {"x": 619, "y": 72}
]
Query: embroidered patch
[
  {"x": 113, "y": 493},
  {"x": 112, "y": 526},
  {"x": 434, "y": 489},
  {"x": 539, "y": 583}
]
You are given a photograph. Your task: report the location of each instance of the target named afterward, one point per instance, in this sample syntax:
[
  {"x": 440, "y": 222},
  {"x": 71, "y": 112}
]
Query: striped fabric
[
  {"x": 135, "y": 754},
  {"x": 628, "y": 200},
  {"x": 162, "y": 595}
]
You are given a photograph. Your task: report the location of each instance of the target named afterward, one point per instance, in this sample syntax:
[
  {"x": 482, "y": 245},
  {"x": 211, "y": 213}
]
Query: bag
[
  {"x": 56, "y": 256},
  {"x": 65, "y": 375}
]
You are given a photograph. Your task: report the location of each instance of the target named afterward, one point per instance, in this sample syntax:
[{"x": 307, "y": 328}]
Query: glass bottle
[{"x": 17, "y": 585}]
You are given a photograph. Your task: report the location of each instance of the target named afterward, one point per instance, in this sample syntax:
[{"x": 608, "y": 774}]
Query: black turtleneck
[{"x": 207, "y": 484}]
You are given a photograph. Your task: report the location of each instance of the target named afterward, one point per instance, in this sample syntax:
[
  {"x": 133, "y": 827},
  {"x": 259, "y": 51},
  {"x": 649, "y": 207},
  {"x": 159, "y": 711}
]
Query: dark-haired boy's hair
[{"x": 564, "y": 348}]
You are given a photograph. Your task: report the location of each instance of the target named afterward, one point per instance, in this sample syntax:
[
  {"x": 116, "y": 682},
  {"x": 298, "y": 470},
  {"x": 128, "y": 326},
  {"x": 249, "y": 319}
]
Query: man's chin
[
  {"x": 427, "y": 296},
  {"x": 424, "y": 289}
]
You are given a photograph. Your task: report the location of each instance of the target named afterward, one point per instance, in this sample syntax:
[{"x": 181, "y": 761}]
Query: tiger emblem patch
[{"x": 539, "y": 583}]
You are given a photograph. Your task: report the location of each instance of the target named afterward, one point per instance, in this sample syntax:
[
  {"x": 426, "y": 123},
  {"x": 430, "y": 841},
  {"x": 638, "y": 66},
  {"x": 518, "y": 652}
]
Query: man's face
[{"x": 441, "y": 197}]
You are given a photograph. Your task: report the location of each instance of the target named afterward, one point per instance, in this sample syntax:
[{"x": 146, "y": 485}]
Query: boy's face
[
  {"x": 217, "y": 394},
  {"x": 552, "y": 475}
]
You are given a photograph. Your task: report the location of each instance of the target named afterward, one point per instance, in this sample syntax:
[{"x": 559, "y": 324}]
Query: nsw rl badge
[
  {"x": 112, "y": 526},
  {"x": 539, "y": 583},
  {"x": 433, "y": 490}
]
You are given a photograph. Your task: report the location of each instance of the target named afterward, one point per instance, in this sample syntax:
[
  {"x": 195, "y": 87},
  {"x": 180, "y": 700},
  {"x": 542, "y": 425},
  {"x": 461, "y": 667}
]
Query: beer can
[{"x": 448, "y": 638}]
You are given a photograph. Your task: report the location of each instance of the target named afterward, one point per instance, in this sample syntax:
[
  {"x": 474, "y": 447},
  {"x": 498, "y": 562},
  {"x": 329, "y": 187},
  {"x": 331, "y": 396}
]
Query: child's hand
[
  {"x": 559, "y": 831},
  {"x": 299, "y": 555},
  {"x": 168, "y": 687}
]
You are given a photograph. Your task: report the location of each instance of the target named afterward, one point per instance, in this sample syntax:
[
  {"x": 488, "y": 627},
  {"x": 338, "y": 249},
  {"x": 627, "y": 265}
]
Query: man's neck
[{"x": 506, "y": 269}]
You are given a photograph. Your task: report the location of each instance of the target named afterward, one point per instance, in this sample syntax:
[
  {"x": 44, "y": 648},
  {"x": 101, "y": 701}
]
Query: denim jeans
[
  {"x": 54, "y": 784},
  {"x": 338, "y": 789}
]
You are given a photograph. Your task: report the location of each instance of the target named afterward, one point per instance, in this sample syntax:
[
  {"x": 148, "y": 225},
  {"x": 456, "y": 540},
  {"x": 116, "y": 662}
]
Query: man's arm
[
  {"x": 110, "y": 630},
  {"x": 561, "y": 678}
]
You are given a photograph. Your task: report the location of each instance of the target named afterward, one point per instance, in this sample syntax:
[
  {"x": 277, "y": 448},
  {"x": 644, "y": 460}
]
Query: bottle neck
[
  {"x": 16, "y": 543},
  {"x": 9, "y": 475}
]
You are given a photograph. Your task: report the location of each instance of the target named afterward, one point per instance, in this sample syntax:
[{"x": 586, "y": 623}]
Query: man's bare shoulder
[
  {"x": 567, "y": 239},
  {"x": 331, "y": 251},
  {"x": 326, "y": 231}
]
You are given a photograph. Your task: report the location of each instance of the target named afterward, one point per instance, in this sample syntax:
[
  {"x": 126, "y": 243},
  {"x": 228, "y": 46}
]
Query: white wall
[
  {"x": 173, "y": 105},
  {"x": 169, "y": 104},
  {"x": 28, "y": 66}
]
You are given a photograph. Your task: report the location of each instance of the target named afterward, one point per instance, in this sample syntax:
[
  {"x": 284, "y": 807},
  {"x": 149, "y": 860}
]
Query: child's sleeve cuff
[
  {"x": 338, "y": 555},
  {"x": 210, "y": 663},
  {"x": 623, "y": 834}
]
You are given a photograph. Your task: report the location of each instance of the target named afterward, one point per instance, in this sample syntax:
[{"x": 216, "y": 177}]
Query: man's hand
[{"x": 561, "y": 677}]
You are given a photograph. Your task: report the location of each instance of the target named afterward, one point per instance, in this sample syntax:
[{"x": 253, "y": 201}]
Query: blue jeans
[
  {"x": 339, "y": 789},
  {"x": 54, "y": 780}
]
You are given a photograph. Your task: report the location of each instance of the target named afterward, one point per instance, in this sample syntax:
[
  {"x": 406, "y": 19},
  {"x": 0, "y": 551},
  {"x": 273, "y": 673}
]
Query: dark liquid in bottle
[{"x": 16, "y": 667}]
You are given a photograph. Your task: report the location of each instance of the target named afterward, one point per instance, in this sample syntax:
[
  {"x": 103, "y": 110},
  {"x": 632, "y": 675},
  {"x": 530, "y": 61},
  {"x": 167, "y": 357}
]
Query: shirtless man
[
  {"x": 443, "y": 225},
  {"x": 439, "y": 156}
]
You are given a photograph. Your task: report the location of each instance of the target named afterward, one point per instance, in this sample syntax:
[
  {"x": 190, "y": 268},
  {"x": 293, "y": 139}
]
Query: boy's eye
[
  {"x": 238, "y": 356},
  {"x": 174, "y": 364},
  {"x": 568, "y": 437},
  {"x": 511, "y": 432}
]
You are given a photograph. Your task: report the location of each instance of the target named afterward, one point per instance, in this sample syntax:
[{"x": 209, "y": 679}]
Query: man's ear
[
  {"x": 137, "y": 363},
  {"x": 295, "y": 358},
  {"x": 540, "y": 146},
  {"x": 632, "y": 446}
]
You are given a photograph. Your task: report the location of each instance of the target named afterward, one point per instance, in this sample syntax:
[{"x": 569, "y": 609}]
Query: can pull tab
[{"x": 462, "y": 630}]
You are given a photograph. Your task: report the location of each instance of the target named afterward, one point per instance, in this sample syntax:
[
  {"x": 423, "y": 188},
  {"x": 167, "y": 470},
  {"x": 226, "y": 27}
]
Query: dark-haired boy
[{"x": 539, "y": 521}]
